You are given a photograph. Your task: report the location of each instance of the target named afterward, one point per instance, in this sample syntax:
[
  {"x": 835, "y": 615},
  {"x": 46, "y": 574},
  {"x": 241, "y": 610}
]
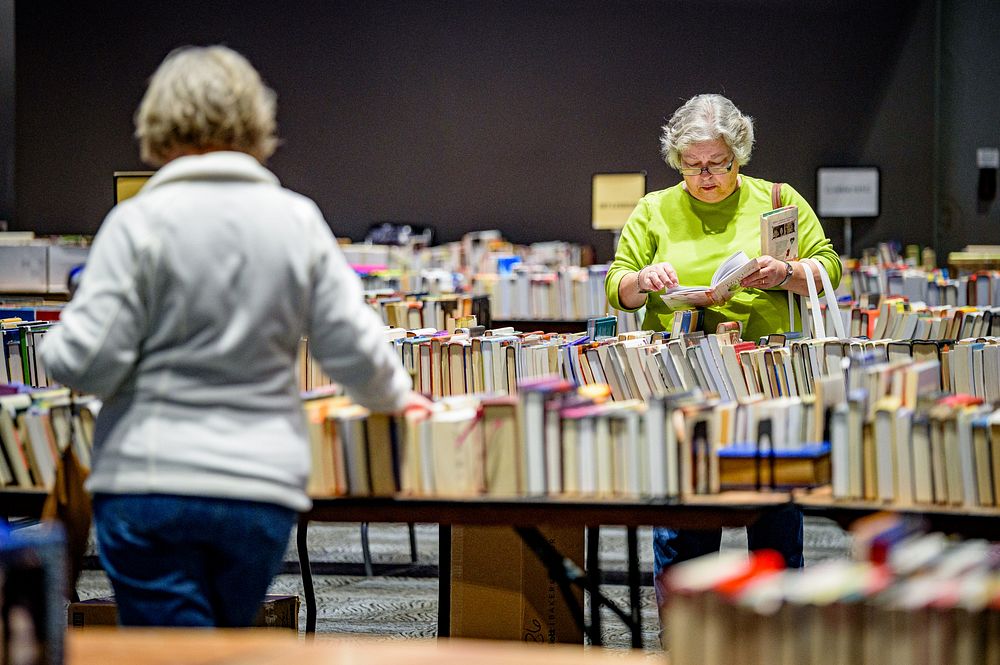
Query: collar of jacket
[{"x": 220, "y": 165}]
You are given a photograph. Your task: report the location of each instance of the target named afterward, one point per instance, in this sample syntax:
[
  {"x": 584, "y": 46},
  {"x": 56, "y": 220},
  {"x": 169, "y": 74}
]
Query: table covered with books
[{"x": 525, "y": 515}]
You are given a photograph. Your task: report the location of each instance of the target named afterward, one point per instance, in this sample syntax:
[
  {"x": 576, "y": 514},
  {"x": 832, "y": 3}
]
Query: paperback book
[
  {"x": 779, "y": 233},
  {"x": 725, "y": 282}
]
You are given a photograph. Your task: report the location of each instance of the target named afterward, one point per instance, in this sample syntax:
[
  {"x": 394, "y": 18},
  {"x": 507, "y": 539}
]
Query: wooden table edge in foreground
[{"x": 170, "y": 646}]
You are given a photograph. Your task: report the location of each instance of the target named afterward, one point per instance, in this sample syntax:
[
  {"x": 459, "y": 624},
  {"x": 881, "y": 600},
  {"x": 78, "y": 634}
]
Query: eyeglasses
[{"x": 712, "y": 170}]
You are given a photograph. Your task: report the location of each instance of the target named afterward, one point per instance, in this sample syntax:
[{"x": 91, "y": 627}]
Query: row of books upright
[
  {"x": 933, "y": 287},
  {"x": 812, "y": 383},
  {"x": 550, "y": 440},
  {"x": 412, "y": 265},
  {"x": 943, "y": 450},
  {"x": 442, "y": 312},
  {"x": 555, "y": 438},
  {"x": 568, "y": 293},
  {"x": 909, "y": 598},
  {"x": 22, "y": 327},
  {"x": 896, "y": 317},
  {"x": 635, "y": 365},
  {"x": 36, "y": 426}
]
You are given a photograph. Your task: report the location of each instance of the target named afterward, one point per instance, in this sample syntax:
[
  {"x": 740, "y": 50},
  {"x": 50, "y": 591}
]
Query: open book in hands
[{"x": 725, "y": 282}]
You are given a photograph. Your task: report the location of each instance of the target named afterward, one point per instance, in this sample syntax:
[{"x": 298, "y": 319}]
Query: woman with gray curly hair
[
  {"x": 681, "y": 234},
  {"x": 187, "y": 323}
]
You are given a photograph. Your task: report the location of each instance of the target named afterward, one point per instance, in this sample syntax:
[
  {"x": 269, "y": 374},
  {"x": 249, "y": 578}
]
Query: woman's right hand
[{"x": 657, "y": 276}]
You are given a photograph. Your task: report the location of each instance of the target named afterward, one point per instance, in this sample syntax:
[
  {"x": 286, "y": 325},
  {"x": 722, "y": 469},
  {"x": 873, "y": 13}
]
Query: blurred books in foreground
[
  {"x": 32, "y": 587},
  {"x": 908, "y": 598}
]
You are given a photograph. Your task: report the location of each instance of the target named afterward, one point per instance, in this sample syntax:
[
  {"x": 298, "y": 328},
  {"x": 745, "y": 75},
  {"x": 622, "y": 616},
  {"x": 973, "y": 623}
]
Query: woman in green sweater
[{"x": 682, "y": 234}]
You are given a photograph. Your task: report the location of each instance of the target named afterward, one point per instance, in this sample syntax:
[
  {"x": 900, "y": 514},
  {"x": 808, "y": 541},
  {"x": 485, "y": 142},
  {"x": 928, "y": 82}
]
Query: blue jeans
[
  {"x": 189, "y": 561},
  {"x": 779, "y": 529}
]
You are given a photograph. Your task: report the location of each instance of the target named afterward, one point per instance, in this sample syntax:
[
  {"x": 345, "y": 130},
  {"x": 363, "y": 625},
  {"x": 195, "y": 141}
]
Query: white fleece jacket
[{"x": 187, "y": 324}]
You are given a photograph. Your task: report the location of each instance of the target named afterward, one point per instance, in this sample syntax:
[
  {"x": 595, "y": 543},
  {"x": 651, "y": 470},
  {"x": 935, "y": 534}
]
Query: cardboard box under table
[
  {"x": 500, "y": 590},
  {"x": 275, "y": 612}
]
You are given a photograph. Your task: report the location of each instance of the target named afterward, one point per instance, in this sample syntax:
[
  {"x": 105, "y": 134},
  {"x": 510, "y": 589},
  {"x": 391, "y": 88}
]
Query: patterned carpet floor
[{"x": 402, "y": 599}]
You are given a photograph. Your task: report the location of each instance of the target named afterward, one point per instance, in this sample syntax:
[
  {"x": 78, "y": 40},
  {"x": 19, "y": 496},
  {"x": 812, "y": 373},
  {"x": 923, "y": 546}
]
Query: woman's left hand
[{"x": 769, "y": 274}]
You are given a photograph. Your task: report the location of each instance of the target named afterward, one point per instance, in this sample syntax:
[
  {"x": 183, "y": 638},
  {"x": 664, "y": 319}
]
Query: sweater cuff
[
  {"x": 391, "y": 397},
  {"x": 614, "y": 281}
]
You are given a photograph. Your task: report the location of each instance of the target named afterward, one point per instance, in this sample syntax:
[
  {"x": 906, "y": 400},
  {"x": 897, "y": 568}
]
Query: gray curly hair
[
  {"x": 707, "y": 118},
  {"x": 205, "y": 98}
]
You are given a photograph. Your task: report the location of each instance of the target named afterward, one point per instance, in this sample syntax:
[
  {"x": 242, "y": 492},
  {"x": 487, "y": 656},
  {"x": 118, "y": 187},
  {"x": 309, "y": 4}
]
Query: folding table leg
[
  {"x": 634, "y": 582},
  {"x": 301, "y": 542}
]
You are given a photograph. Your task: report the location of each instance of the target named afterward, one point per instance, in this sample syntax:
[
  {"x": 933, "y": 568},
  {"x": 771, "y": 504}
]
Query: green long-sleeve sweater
[{"x": 695, "y": 237}]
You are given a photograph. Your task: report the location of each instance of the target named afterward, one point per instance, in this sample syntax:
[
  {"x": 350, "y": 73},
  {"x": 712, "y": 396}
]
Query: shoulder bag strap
[{"x": 775, "y": 196}]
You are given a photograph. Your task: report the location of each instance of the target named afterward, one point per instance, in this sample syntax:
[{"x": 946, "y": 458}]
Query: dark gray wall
[
  {"x": 899, "y": 140},
  {"x": 488, "y": 114},
  {"x": 7, "y": 99},
  {"x": 970, "y": 118}
]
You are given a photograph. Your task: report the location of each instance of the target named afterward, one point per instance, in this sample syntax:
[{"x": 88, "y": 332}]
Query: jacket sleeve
[
  {"x": 346, "y": 334},
  {"x": 95, "y": 344},
  {"x": 813, "y": 243},
  {"x": 635, "y": 251}
]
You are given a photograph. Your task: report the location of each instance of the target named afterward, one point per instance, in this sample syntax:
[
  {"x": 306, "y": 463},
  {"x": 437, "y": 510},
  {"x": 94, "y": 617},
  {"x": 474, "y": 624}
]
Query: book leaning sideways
[
  {"x": 725, "y": 282},
  {"x": 779, "y": 233}
]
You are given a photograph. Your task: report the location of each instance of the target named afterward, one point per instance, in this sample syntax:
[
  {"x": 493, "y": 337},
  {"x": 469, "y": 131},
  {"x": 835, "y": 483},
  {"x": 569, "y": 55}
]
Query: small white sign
[
  {"x": 988, "y": 158},
  {"x": 843, "y": 191}
]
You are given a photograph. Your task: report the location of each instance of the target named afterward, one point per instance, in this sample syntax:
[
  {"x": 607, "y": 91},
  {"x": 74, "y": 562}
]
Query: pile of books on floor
[{"x": 910, "y": 598}]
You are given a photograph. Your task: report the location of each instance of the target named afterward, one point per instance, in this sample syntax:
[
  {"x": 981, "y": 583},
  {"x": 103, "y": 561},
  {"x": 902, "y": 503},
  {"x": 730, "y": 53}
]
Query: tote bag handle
[
  {"x": 814, "y": 305},
  {"x": 813, "y": 297}
]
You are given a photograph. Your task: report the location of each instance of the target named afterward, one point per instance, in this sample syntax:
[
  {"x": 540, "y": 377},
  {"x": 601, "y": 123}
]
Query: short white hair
[
  {"x": 205, "y": 98},
  {"x": 707, "y": 118}
]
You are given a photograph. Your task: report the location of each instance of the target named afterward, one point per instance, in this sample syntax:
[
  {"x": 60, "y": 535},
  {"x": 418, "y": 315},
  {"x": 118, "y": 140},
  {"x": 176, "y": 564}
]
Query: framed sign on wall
[
  {"x": 848, "y": 192},
  {"x": 613, "y": 198}
]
